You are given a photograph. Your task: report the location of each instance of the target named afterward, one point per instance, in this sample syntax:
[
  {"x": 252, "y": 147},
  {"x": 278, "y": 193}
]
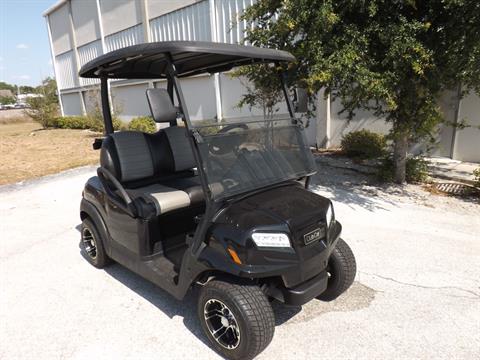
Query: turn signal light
[{"x": 234, "y": 256}]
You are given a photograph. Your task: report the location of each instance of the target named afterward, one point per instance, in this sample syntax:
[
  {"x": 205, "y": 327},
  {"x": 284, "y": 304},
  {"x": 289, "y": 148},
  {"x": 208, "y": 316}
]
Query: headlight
[
  {"x": 329, "y": 215},
  {"x": 271, "y": 240}
]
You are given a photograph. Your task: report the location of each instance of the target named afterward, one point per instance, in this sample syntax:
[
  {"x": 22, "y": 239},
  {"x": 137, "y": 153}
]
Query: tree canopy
[{"x": 391, "y": 57}]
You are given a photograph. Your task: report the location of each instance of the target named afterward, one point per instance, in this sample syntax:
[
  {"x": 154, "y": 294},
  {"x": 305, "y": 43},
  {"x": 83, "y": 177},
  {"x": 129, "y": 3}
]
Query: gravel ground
[{"x": 416, "y": 294}]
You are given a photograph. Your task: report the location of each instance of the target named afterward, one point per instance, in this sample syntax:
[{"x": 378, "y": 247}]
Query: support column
[
  {"x": 145, "y": 21},
  {"x": 323, "y": 137},
  {"x": 54, "y": 60},
  {"x": 104, "y": 48},
  {"x": 457, "y": 116},
  {"x": 214, "y": 32}
]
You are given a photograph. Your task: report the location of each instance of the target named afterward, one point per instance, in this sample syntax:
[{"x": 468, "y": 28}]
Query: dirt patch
[
  {"x": 27, "y": 152},
  {"x": 357, "y": 297}
]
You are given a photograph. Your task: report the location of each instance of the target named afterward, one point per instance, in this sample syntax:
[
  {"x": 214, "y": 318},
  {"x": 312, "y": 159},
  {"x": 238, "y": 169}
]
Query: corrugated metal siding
[
  {"x": 124, "y": 38},
  {"x": 230, "y": 29},
  {"x": 189, "y": 23},
  {"x": 87, "y": 53},
  {"x": 66, "y": 70}
]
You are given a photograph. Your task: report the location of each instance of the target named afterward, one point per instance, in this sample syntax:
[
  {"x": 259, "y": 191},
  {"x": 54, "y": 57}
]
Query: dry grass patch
[{"x": 27, "y": 152}]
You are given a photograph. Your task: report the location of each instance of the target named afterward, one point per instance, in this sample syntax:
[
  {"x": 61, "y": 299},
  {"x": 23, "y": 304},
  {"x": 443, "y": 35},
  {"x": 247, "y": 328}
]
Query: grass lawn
[{"x": 27, "y": 151}]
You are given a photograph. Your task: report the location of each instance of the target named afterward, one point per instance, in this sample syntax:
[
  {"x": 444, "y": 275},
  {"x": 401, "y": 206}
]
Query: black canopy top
[{"x": 149, "y": 61}]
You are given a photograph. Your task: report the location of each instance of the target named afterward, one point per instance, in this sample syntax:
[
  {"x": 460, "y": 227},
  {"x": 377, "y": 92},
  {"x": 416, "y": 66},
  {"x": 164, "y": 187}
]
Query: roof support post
[
  {"x": 283, "y": 81},
  {"x": 107, "y": 115},
  {"x": 194, "y": 138}
]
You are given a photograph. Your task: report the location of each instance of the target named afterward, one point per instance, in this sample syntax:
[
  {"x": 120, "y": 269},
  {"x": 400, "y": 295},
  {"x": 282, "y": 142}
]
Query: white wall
[
  {"x": 130, "y": 100},
  {"x": 60, "y": 29},
  {"x": 448, "y": 105},
  {"x": 160, "y": 7},
  {"x": 72, "y": 104},
  {"x": 120, "y": 14},
  {"x": 339, "y": 125},
  {"x": 467, "y": 141},
  {"x": 85, "y": 21}
]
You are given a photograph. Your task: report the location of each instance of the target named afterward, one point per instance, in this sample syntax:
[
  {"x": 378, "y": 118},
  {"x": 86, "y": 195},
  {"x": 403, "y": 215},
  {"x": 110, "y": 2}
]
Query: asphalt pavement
[{"x": 416, "y": 294}]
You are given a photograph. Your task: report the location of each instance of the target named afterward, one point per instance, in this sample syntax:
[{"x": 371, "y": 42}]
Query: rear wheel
[
  {"x": 92, "y": 245},
  {"x": 341, "y": 271},
  {"x": 237, "y": 318}
]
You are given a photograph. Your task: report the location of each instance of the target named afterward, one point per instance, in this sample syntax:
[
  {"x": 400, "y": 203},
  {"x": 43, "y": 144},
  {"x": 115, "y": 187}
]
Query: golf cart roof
[{"x": 149, "y": 61}]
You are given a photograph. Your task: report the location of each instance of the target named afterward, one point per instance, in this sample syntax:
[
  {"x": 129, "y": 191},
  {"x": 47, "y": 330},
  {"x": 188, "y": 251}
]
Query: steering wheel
[{"x": 221, "y": 145}]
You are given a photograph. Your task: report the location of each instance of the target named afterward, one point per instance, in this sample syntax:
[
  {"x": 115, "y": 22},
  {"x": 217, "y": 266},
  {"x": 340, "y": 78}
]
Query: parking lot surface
[{"x": 416, "y": 294}]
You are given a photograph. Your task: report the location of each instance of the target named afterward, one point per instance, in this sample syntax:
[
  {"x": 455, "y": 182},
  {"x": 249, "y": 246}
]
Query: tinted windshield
[{"x": 242, "y": 157}]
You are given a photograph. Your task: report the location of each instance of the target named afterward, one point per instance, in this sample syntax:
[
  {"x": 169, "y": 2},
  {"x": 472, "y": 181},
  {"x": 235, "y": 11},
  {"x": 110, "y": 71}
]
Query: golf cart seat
[{"x": 155, "y": 170}]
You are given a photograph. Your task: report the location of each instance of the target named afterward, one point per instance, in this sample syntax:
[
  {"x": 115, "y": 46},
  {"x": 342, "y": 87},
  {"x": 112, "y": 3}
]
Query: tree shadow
[{"x": 355, "y": 189}]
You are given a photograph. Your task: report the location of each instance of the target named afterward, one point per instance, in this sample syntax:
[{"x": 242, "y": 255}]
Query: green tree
[
  {"x": 5, "y": 100},
  {"x": 391, "y": 57},
  {"x": 44, "y": 109},
  {"x": 5, "y": 86},
  {"x": 27, "y": 89},
  {"x": 262, "y": 89}
]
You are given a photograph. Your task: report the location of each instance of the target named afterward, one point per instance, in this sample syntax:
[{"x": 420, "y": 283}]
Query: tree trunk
[{"x": 400, "y": 148}]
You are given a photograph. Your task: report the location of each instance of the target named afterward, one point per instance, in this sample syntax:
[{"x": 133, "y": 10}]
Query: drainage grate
[{"x": 456, "y": 189}]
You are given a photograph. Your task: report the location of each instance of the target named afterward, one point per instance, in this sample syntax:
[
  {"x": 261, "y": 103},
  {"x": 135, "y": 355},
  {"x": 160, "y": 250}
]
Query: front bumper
[{"x": 304, "y": 292}]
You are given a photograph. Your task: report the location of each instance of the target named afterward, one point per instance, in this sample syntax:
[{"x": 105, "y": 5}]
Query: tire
[
  {"x": 92, "y": 245},
  {"x": 247, "y": 310},
  {"x": 342, "y": 269}
]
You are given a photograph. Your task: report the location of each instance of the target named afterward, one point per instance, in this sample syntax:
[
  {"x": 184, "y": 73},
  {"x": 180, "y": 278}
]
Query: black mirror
[{"x": 300, "y": 100}]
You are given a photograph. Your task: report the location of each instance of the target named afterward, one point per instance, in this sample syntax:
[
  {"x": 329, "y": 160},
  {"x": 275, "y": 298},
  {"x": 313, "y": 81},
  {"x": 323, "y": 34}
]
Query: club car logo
[{"x": 313, "y": 236}]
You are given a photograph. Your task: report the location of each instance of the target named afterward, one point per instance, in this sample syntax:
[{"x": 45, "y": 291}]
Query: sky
[{"x": 24, "y": 47}]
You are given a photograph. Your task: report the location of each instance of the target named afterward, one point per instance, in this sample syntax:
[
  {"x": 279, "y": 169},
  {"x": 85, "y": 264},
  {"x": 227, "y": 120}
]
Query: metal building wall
[
  {"x": 230, "y": 29},
  {"x": 71, "y": 103},
  {"x": 87, "y": 53},
  {"x": 85, "y": 23},
  {"x": 67, "y": 74},
  {"x": 127, "y": 37},
  {"x": 118, "y": 15},
  {"x": 189, "y": 23}
]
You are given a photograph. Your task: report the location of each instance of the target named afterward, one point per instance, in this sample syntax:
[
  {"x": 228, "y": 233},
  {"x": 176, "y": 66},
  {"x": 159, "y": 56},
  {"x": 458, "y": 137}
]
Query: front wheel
[
  {"x": 237, "y": 318},
  {"x": 341, "y": 271}
]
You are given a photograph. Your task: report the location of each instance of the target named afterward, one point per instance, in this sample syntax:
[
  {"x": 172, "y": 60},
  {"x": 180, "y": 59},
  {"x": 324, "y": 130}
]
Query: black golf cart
[{"x": 224, "y": 206}]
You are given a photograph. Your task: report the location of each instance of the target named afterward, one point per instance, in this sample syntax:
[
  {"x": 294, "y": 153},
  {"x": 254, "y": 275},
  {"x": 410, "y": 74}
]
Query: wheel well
[{"x": 83, "y": 215}]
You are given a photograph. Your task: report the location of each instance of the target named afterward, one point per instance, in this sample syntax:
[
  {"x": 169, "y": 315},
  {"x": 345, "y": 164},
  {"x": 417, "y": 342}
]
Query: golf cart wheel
[
  {"x": 341, "y": 269},
  {"x": 237, "y": 318},
  {"x": 92, "y": 245}
]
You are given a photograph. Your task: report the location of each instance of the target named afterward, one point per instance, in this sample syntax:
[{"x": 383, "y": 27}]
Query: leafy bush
[
  {"x": 72, "y": 122},
  {"x": 416, "y": 170},
  {"x": 364, "y": 144},
  {"x": 44, "y": 109},
  {"x": 143, "y": 124},
  {"x": 476, "y": 174},
  {"x": 84, "y": 122}
]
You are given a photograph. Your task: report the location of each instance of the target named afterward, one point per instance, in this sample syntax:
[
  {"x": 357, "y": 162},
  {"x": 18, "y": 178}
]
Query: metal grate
[{"x": 456, "y": 189}]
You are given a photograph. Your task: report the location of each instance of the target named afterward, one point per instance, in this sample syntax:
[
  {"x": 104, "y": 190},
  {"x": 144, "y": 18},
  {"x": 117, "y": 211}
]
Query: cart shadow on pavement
[{"x": 185, "y": 308}]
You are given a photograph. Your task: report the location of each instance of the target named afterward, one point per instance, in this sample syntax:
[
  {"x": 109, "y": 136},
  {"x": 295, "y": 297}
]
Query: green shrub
[
  {"x": 93, "y": 123},
  {"x": 72, "y": 122},
  {"x": 364, "y": 144},
  {"x": 416, "y": 170},
  {"x": 476, "y": 174},
  {"x": 143, "y": 124}
]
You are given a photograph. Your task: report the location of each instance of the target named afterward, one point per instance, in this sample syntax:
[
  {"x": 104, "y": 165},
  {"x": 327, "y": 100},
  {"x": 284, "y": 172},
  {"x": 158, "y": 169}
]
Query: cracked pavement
[{"x": 416, "y": 294}]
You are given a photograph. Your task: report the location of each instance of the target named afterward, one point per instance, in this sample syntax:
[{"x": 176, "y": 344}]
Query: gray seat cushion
[{"x": 164, "y": 198}]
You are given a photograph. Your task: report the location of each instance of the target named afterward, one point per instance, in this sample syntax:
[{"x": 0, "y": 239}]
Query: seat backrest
[
  {"x": 161, "y": 106},
  {"x": 132, "y": 155}
]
